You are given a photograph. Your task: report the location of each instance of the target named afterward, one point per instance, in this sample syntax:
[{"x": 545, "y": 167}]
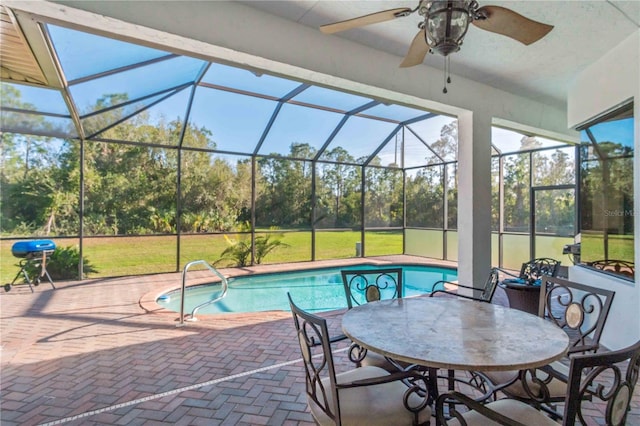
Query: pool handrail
[{"x": 225, "y": 288}]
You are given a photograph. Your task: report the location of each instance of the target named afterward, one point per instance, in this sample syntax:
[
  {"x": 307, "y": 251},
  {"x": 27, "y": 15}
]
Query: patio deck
[{"x": 89, "y": 353}]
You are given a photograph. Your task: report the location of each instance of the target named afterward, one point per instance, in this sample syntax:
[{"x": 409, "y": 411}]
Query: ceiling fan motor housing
[{"x": 446, "y": 23}]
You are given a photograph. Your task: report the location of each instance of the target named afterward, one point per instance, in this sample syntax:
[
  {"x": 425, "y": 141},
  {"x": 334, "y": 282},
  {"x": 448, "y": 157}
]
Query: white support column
[{"x": 474, "y": 198}]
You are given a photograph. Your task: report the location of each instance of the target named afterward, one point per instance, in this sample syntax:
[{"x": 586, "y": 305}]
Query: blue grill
[
  {"x": 33, "y": 249},
  {"x": 33, "y": 254}
]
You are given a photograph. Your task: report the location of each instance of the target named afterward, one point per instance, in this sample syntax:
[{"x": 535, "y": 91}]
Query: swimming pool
[{"x": 313, "y": 289}]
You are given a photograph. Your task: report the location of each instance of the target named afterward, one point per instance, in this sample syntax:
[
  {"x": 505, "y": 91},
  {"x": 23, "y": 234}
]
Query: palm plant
[{"x": 239, "y": 251}]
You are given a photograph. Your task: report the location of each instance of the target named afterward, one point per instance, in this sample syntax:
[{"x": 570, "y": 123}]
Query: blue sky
[
  {"x": 620, "y": 131},
  {"x": 237, "y": 121}
]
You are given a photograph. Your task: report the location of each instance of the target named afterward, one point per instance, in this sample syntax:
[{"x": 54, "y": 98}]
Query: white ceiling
[{"x": 583, "y": 32}]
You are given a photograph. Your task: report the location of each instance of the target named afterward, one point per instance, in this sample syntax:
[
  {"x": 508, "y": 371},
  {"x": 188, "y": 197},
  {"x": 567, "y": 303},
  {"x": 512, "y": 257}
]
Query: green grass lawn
[
  {"x": 117, "y": 256},
  {"x": 620, "y": 247}
]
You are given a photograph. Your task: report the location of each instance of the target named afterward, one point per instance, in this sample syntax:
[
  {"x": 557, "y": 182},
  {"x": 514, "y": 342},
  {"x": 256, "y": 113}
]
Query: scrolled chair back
[
  {"x": 610, "y": 377},
  {"x": 368, "y": 285},
  {"x": 579, "y": 309},
  {"x": 534, "y": 269}
]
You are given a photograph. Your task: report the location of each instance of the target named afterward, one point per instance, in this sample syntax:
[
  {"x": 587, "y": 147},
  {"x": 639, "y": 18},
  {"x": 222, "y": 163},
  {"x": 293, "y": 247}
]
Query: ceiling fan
[{"x": 445, "y": 24}]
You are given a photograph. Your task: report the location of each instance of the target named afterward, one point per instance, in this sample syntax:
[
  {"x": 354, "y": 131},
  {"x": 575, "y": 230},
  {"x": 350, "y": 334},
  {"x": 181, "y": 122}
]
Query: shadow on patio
[{"x": 89, "y": 354}]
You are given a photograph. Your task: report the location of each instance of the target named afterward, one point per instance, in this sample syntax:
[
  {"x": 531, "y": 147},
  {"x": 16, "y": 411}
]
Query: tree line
[{"x": 148, "y": 186}]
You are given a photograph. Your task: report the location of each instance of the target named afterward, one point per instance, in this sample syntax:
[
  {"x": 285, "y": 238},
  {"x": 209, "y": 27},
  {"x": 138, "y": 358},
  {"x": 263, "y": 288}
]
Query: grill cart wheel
[{"x": 7, "y": 287}]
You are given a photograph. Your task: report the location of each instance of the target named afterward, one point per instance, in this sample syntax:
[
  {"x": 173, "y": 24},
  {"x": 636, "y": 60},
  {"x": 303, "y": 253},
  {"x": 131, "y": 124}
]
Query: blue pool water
[{"x": 313, "y": 290}]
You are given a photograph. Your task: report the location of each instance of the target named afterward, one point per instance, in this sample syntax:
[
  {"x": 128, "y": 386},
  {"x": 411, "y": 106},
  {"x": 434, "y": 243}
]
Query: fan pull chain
[{"x": 447, "y": 73}]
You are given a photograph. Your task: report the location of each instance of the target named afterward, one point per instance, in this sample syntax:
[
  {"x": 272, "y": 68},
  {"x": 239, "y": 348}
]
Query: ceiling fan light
[{"x": 446, "y": 23}]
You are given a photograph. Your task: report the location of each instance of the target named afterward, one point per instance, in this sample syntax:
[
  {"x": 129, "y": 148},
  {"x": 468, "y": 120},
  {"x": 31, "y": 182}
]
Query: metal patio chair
[
  {"x": 485, "y": 296},
  {"x": 581, "y": 311},
  {"x": 532, "y": 271},
  {"x": 366, "y": 395},
  {"x": 608, "y": 376},
  {"x": 368, "y": 285}
]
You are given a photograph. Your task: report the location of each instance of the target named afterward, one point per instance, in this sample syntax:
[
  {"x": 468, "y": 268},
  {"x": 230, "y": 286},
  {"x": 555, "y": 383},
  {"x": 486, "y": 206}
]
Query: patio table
[{"x": 455, "y": 334}]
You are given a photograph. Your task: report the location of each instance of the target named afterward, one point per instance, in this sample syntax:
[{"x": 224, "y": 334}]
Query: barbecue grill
[{"x": 33, "y": 255}]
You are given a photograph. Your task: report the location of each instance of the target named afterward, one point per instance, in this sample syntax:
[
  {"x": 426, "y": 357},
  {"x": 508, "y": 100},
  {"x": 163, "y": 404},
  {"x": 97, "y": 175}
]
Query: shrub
[
  {"x": 63, "y": 264},
  {"x": 239, "y": 251},
  {"x": 264, "y": 245}
]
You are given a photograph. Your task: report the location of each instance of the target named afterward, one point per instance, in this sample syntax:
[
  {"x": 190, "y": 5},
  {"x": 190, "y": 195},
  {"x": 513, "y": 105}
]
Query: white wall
[
  {"x": 614, "y": 79},
  {"x": 610, "y": 81}
]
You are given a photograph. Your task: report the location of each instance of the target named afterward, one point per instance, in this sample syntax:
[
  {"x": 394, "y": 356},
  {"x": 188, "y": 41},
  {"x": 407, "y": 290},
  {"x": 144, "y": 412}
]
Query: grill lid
[{"x": 27, "y": 248}]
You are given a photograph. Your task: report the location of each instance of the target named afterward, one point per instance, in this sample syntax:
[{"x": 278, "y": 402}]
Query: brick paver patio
[{"x": 96, "y": 352}]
